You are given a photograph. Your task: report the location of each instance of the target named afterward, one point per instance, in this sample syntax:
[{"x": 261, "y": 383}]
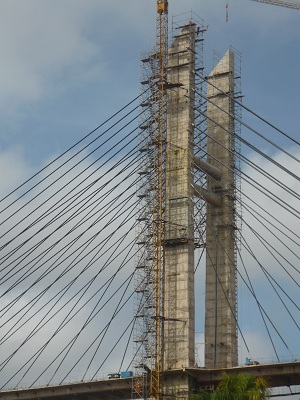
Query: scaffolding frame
[
  {"x": 155, "y": 229},
  {"x": 149, "y": 324}
]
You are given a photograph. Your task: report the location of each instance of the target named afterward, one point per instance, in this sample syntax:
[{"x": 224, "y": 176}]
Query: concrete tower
[
  {"x": 179, "y": 312},
  {"x": 165, "y": 301},
  {"x": 220, "y": 308}
]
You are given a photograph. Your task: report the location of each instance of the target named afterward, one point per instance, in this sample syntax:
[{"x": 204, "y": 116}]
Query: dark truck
[{"x": 123, "y": 374}]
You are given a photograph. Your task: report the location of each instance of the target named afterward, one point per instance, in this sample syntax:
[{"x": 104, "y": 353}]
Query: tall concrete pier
[
  {"x": 220, "y": 306},
  {"x": 179, "y": 303}
]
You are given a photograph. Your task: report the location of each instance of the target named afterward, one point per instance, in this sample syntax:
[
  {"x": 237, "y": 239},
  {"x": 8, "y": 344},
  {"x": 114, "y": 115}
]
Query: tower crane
[
  {"x": 282, "y": 3},
  {"x": 159, "y": 139}
]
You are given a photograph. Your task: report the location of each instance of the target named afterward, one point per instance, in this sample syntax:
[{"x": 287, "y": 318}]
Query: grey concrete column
[
  {"x": 220, "y": 307},
  {"x": 179, "y": 327}
]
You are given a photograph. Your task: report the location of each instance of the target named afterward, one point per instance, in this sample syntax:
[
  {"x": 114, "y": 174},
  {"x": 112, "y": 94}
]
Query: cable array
[
  {"x": 268, "y": 245},
  {"x": 70, "y": 237},
  {"x": 67, "y": 249}
]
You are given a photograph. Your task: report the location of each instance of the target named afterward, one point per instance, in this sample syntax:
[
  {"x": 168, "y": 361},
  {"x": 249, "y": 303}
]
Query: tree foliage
[{"x": 237, "y": 386}]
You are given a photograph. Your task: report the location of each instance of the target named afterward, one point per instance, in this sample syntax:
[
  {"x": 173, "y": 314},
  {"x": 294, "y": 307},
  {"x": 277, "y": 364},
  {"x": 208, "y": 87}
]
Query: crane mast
[
  {"x": 282, "y": 3},
  {"x": 158, "y": 206}
]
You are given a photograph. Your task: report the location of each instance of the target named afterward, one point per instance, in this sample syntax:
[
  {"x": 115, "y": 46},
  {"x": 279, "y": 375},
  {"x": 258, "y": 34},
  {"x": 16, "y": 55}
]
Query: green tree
[{"x": 237, "y": 386}]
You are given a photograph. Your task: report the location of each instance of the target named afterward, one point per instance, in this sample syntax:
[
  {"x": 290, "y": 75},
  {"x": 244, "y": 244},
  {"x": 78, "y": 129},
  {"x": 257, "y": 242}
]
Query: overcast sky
[{"x": 66, "y": 65}]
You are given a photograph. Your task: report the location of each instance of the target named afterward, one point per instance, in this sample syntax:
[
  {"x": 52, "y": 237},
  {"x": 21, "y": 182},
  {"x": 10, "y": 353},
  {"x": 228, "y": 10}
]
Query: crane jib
[{"x": 282, "y": 3}]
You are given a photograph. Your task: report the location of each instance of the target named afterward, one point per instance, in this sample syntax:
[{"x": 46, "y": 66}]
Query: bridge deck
[{"x": 277, "y": 375}]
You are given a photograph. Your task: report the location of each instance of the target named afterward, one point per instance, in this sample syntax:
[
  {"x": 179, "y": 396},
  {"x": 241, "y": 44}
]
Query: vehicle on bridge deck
[
  {"x": 113, "y": 376},
  {"x": 251, "y": 362},
  {"x": 123, "y": 374},
  {"x": 126, "y": 374}
]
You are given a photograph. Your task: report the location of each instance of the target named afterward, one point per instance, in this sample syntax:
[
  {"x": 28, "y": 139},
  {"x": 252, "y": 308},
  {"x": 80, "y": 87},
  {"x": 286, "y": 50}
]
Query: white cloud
[
  {"x": 41, "y": 42},
  {"x": 282, "y": 329},
  {"x": 282, "y": 214},
  {"x": 14, "y": 170},
  {"x": 76, "y": 263},
  {"x": 260, "y": 347}
]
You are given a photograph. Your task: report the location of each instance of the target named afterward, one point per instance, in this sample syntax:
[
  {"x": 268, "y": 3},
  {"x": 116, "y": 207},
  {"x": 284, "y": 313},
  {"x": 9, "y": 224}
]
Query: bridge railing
[{"x": 270, "y": 360}]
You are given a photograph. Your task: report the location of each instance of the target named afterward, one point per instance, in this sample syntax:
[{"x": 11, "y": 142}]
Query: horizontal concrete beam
[
  {"x": 212, "y": 171},
  {"x": 109, "y": 389},
  {"x": 277, "y": 375},
  {"x": 209, "y": 197}
]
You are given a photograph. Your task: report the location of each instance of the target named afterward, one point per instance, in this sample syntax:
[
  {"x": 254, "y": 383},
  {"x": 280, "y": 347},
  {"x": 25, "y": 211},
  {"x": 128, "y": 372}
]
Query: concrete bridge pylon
[
  {"x": 220, "y": 293},
  {"x": 220, "y": 288},
  {"x": 181, "y": 163}
]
